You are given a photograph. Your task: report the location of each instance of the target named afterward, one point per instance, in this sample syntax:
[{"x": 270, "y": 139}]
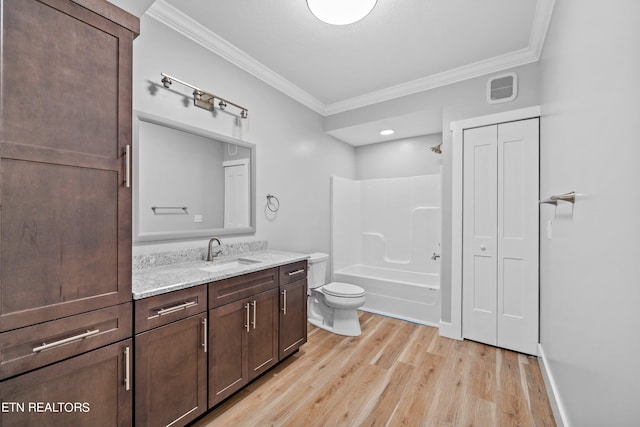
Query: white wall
[
  {"x": 590, "y": 269},
  {"x": 399, "y": 158},
  {"x": 295, "y": 158}
]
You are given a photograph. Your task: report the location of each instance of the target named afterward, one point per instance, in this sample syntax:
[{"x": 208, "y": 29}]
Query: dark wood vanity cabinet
[
  {"x": 65, "y": 223},
  {"x": 293, "y": 307},
  {"x": 87, "y": 390},
  {"x": 171, "y": 357},
  {"x": 65, "y": 129},
  {"x": 243, "y": 331}
]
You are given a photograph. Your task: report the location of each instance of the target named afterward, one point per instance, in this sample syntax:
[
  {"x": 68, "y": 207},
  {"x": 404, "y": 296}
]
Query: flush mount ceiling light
[
  {"x": 340, "y": 12},
  {"x": 386, "y": 132}
]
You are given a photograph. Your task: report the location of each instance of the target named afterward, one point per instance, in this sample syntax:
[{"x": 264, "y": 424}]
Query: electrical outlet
[{"x": 197, "y": 218}]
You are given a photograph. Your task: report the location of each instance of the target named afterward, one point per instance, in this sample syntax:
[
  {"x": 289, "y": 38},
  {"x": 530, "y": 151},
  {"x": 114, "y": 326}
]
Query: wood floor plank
[{"x": 395, "y": 374}]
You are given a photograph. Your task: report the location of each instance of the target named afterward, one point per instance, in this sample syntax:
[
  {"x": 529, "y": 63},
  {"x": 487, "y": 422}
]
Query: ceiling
[{"x": 401, "y": 47}]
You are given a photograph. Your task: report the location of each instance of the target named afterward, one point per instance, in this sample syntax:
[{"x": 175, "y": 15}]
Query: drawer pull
[
  {"x": 254, "y": 304},
  {"x": 46, "y": 346},
  {"x": 127, "y": 369},
  {"x": 284, "y": 305},
  {"x": 127, "y": 166},
  {"x": 291, "y": 273},
  {"x": 205, "y": 332},
  {"x": 183, "y": 306},
  {"x": 247, "y": 325}
]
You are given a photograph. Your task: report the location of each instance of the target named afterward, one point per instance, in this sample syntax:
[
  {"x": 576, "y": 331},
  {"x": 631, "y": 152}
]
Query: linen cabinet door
[
  {"x": 93, "y": 389},
  {"x": 228, "y": 341},
  {"x": 293, "y": 317},
  {"x": 263, "y": 334},
  {"x": 171, "y": 373},
  {"x": 65, "y": 126}
]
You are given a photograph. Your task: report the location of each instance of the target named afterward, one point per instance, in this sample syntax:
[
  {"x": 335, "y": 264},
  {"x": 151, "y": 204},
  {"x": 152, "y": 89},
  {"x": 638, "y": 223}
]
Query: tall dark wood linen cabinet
[{"x": 65, "y": 213}]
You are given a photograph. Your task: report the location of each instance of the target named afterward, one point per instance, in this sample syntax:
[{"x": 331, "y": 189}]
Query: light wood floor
[{"x": 395, "y": 374}]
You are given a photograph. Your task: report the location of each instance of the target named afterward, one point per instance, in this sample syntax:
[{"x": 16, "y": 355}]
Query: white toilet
[{"x": 333, "y": 306}]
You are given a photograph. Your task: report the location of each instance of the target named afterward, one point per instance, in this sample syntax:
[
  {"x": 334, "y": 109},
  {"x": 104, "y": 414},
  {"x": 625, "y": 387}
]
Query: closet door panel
[
  {"x": 518, "y": 183},
  {"x": 479, "y": 228}
]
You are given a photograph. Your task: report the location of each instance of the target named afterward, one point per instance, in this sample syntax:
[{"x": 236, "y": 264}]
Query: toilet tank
[{"x": 317, "y": 269}]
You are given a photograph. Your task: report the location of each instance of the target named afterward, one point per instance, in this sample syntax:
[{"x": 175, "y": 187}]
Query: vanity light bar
[{"x": 204, "y": 99}]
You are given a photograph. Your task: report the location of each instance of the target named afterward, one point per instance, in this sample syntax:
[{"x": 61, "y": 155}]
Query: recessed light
[{"x": 386, "y": 132}]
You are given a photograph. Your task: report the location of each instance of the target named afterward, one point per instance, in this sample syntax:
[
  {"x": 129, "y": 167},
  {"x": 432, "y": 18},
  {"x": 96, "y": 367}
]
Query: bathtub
[{"x": 405, "y": 295}]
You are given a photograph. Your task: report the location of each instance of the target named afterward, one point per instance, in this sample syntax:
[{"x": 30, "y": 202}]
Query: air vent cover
[{"x": 502, "y": 88}]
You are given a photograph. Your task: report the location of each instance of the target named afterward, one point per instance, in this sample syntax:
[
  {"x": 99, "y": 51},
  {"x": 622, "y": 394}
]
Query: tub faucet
[
  {"x": 435, "y": 256},
  {"x": 212, "y": 254}
]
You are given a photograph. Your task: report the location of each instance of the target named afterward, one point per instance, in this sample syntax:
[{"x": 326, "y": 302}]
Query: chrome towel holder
[
  {"x": 273, "y": 207},
  {"x": 566, "y": 197},
  {"x": 183, "y": 208}
]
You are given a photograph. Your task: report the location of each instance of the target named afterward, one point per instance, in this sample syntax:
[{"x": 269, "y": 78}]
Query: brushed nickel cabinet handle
[
  {"x": 284, "y": 300},
  {"x": 205, "y": 344},
  {"x": 127, "y": 369},
  {"x": 46, "y": 346},
  {"x": 246, "y": 306},
  {"x": 291, "y": 273},
  {"x": 254, "y": 313},
  {"x": 169, "y": 310},
  {"x": 127, "y": 166}
]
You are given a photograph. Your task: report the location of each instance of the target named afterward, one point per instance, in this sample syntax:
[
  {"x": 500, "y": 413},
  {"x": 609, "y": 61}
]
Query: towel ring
[{"x": 270, "y": 204}]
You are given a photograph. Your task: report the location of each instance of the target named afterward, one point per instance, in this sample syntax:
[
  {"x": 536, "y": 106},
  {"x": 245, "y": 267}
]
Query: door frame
[{"x": 453, "y": 328}]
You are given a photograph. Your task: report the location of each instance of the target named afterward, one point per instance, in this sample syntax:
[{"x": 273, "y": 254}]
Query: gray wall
[
  {"x": 295, "y": 158},
  {"x": 590, "y": 269},
  {"x": 399, "y": 158}
]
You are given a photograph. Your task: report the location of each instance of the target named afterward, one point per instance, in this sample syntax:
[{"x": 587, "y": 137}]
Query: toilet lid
[{"x": 339, "y": 289}]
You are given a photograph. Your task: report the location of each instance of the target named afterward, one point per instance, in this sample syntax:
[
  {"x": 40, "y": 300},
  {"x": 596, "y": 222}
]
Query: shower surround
[{"x": 385, "y": 238}]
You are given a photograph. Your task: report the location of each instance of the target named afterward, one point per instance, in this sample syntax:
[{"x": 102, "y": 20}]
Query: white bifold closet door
[{"x": 500, "y": 235}]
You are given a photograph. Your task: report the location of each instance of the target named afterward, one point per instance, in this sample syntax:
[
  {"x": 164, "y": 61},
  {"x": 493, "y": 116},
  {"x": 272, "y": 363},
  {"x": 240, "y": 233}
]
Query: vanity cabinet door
[
  {"x": 243, "y": 343},
  {"x": 263, "y": 332},
  {"x": 93, "y": 389},
  {"x": 228, "y": 344},
  {"x": 293, "y": 317},
  {"x": 171, "y": 373}
]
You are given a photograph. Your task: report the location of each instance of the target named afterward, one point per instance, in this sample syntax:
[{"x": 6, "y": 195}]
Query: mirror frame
[{"x": 159, "y": 236}]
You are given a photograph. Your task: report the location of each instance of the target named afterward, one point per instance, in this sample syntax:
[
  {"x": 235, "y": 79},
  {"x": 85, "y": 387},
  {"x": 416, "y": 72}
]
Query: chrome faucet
[
  {"x": 212, "y": 254},
  {"x": 435, "y": 256}
]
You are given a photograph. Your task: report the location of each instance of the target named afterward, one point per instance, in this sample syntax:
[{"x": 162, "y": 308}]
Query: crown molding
[
  {"x": 183, "y": 24},
  {"x": 196, "y": 32},
  {"x": 477, "y": 69}
]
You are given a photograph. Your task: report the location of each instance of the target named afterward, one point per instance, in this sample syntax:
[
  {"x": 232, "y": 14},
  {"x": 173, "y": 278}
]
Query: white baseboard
[
  {"x": 449, "y": 330},
  {"x": 552, "y": 390},
  {"x": 395, "y": 316}
]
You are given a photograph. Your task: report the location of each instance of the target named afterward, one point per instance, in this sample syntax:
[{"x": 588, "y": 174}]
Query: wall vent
[{"x": 502, "y": 88}]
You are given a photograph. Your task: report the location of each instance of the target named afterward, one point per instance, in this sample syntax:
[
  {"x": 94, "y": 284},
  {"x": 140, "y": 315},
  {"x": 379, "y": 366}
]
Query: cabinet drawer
[
  {"x": 293, "y": 272},
  {"x": 28, "y": 348},
  {"x": 166, "y": 308},
  {"x": 235, "y": 288}
]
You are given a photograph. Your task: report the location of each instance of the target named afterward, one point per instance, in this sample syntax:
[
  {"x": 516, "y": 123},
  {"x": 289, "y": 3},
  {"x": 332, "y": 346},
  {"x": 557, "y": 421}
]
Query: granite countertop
[{"x": 167, "y": 278}]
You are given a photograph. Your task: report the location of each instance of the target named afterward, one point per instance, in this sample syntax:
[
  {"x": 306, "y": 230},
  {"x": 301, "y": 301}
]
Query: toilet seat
[{"x": 343, "y": 290}]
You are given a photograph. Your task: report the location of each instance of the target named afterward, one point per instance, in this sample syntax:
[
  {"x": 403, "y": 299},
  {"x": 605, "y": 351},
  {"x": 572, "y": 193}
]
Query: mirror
[{"x": 190, "y": 183}]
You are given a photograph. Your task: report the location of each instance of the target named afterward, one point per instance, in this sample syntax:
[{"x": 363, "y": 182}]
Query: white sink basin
[{"x": 229, "y": 265}]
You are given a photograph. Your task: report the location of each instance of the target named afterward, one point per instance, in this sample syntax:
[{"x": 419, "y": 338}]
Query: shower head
[{"x": 436, "y": 148}]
